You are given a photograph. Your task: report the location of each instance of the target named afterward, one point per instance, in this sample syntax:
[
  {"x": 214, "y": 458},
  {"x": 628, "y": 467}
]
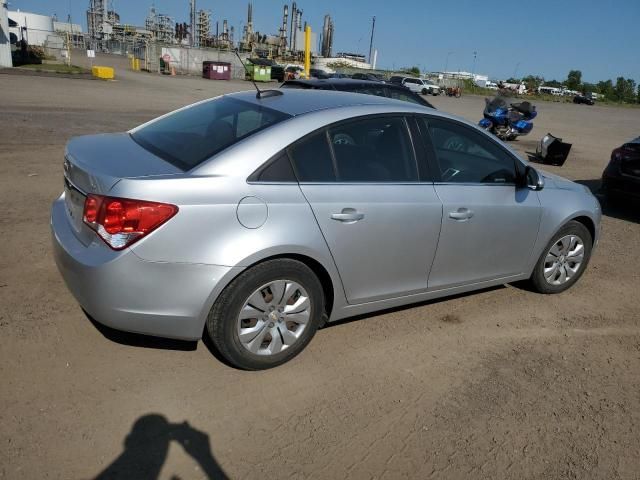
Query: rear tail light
[{"x": 122, "y": 221}]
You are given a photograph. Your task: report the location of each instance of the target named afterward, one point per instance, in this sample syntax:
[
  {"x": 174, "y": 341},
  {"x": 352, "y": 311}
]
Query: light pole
[
  {"x": 446, "y": 64},
  {"x": 473, "y": 72}
]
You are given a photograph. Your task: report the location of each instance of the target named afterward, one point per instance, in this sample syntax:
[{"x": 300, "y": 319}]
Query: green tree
[
  {"x": 553, "y": 83},
  {"x": 574, "y": 80},
  {"x": 605, "y": 87},
  {"x": 625, "y": 90},
  {"x": 512, "y": 80},
  {"x": 638, "y": 95},
  {"x": 631, "y": 89},
  {"x": 533, "y": 82},
  {"x": 415, "y": 71}
]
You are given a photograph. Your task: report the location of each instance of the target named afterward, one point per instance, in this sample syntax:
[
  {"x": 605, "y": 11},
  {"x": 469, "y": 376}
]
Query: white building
[
  {"x": 32, "y": 27},
  {"x": 355, "y": 61},
  {"x": 479, "y": 80},
  {"x": 5, "y": 44}
]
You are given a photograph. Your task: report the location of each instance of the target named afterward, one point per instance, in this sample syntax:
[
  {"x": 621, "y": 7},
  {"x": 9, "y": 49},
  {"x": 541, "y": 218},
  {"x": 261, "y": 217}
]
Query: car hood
[{"x": 556, "y": 181}]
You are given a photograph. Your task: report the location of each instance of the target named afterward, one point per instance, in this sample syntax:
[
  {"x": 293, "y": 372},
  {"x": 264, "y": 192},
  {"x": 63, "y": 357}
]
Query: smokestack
[
  {"x": 292, "y": 32},
  {"x": 373, "y": 29},
  {"x": 283, "y": 31},
  {"x": 327, "y": 36},
  {"x": 192, "y": 36}
]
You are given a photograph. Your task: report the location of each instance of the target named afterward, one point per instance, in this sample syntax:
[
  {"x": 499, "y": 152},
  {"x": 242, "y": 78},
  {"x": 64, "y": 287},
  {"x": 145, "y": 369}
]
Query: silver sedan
[{"x": 258, "y": 218}]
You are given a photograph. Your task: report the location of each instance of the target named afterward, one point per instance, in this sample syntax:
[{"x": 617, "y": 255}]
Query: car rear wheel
[
  {"x": 424, "y": 91},
  {"x": 267, "y": 315},
  {"x": 564, "y": 260}
]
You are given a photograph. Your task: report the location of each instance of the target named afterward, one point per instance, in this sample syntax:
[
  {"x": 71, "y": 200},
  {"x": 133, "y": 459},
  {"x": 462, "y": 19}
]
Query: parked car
[
  {"x": 318, "y": 73},
  {"x": 397, "y": 92},
  {"x": 621, "y": 178},
  {"x": 293, "y": 71},
  {"x": 373, "y": 77},
  {"x": 277, "y": 72},
  {"x": 585, "y": 99},
  {"x": 418, "y": 85},
  {"x": 260, "y": 217}
]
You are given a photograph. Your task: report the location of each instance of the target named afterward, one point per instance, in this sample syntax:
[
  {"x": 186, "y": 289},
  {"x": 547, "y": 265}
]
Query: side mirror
[{"x": 533, "y": 180}]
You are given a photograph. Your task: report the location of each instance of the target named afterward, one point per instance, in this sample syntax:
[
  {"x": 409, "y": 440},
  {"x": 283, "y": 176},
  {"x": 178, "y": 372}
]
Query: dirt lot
[{"x": 503, "y": 383}]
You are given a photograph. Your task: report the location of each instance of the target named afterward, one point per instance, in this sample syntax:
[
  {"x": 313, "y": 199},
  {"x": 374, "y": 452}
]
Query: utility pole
[
  {"x": 373, "y": 28},
  {"x": 473, "y": 71},
  {"x": 446, "y": 63}
]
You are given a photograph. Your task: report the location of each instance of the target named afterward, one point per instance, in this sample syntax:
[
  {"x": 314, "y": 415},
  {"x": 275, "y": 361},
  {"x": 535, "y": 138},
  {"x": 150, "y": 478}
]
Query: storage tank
[{"x": 38, "y": 27}]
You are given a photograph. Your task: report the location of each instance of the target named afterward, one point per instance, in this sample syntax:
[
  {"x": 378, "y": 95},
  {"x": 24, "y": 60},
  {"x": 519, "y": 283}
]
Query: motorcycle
[{"x": 507, "y": 122}]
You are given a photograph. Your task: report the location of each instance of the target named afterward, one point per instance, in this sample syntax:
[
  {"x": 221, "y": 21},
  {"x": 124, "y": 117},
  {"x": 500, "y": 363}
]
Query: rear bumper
[{"x": 122, "y": 291}]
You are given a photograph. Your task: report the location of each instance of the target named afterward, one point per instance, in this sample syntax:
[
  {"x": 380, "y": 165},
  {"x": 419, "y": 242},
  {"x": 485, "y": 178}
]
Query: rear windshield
[{"x": 190, "y": 136}]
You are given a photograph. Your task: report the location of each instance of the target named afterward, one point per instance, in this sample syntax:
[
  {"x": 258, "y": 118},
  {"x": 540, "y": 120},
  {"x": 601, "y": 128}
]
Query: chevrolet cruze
[{"x": 258, "y": 218}]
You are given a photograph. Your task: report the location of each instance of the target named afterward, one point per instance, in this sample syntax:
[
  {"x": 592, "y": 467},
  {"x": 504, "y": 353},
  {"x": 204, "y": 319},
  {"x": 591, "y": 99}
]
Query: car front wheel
[
  {"x": 267, "y": 315},
  {"x": 564, "y": 259}
]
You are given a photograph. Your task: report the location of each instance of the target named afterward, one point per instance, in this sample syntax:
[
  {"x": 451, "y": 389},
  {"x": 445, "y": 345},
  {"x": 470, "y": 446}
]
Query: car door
[
  {"x": 380, "y": 221},
  {"x": 412, "y": 84},
  {"x": 490, "y": 223}
]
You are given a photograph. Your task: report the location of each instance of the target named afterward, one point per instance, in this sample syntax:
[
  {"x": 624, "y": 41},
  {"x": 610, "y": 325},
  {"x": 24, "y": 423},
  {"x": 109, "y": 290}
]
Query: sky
[{"x": 510, "y": 38}]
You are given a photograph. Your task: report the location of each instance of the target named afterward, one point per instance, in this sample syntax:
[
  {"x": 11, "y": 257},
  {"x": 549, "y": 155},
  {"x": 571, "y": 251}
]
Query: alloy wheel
[
  {"x": 274, "y": 317},
  {"x": 564, "y": 260}
]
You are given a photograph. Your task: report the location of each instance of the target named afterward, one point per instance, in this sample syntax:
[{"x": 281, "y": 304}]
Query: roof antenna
[{"x": 261, "y": 93}]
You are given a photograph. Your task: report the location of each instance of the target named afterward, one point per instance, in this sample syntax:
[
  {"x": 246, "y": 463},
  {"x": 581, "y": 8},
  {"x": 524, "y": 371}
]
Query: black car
[
  {"x": 368, "y": 76},
  {"x": 318, "y": 73},
  {"x": 398, "y": 92},
  {"x": 622, "y": 175},
  {"x": 584, "y": 99}
]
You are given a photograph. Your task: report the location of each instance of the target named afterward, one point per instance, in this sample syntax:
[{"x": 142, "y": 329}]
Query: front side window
[
  {"x": 465, "y": 156},
  {"x": 190, "y": 136},
  {"x": 376, "y": 149}
]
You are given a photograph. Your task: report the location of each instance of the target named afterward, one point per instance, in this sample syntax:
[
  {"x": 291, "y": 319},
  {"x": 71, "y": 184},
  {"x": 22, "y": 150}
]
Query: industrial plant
[
  {"x": 200, "y": 38},
  {"x": 106, "y": 32}
]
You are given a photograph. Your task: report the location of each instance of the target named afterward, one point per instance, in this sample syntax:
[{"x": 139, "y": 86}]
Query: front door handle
[
  {"x": 348, "y": 215},
  {"x": 461, "y": 214}
]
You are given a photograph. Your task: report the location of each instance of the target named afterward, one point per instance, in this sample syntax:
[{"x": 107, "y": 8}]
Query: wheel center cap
[
  {"x": 562, "y": 259},
  {"x": 273, "y": 316}
]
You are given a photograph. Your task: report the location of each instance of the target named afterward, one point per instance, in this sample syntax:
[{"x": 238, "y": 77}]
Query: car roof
[
  {"x": 300, "y": 101},
  {"x": 321, "y": 82},
  {"x": 349, "y": 84}
]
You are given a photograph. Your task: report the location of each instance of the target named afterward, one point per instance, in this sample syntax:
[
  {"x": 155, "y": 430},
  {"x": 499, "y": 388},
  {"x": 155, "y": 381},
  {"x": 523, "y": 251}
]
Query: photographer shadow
[{"x": 147, "y": 445}]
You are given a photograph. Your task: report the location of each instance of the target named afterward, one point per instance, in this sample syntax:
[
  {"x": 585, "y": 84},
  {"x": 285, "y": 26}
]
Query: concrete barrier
[{"x": 105, "y": 73}]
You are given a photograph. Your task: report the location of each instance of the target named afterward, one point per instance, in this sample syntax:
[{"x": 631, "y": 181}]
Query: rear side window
[
  {"x": 312, "y": 159},
  {"x": 277, "y": 170},
  {"x": 188, "y": 137},
  {"x": 373, "y": 150}
]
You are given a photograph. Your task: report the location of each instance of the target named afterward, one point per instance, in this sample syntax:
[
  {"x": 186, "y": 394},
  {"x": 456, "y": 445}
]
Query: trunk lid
[{"x": 95, "y": 163}]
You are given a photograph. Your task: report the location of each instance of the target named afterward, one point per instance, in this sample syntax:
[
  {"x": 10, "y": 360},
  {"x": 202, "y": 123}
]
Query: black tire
[
  {"x": 221, "y": 322},
  {"x": 424, "y": 91},
  {"x": 537, "y": 279}
]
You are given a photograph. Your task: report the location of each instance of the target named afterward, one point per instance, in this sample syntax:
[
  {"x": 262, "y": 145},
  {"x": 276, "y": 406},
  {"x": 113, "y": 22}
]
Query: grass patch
[{"x": 56, "y": 67}]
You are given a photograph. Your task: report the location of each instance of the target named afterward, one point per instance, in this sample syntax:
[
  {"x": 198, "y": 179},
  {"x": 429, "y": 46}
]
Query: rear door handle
[
  {"x": 348, "y": 215},
  {"x": 461, "y": 214}
]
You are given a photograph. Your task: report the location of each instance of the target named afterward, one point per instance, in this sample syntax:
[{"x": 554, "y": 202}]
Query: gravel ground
[{"x": 503, "y": 383}]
